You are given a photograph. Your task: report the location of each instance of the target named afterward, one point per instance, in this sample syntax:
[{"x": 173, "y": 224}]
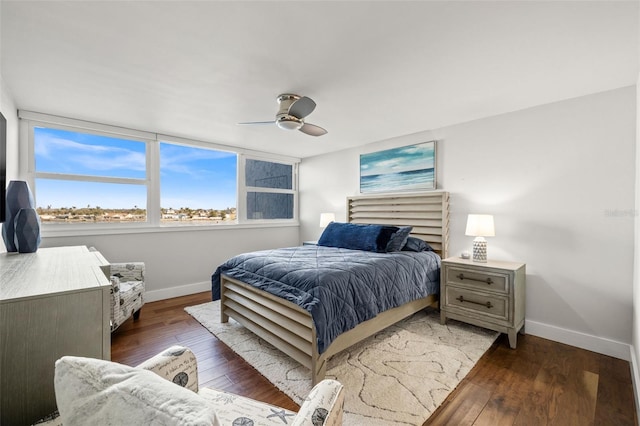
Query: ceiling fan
[{"x": 290, "y": 116}]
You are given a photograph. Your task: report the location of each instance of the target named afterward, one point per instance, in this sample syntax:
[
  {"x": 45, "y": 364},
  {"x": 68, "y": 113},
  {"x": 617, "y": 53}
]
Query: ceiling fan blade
[
  {"x": 259, "y": 122},
  {"x": 302, "y": 107},
  {"x": 312, "y": 129}
]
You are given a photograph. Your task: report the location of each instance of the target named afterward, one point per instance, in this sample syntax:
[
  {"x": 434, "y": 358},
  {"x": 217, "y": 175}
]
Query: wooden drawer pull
[
  {"x": 462, "y": 277},
  {"x": 488, "y": 304}
]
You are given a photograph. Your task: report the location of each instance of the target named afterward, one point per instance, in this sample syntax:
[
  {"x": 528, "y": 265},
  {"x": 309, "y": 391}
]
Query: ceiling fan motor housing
[
  {"x": 288, "y": 122},
  {"x": 283, "y": 119}
]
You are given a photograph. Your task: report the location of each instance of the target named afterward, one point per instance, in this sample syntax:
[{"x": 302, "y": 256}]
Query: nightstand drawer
[
  {"x": 493, "y": 305},
  {"x": 483, "y": 280}
]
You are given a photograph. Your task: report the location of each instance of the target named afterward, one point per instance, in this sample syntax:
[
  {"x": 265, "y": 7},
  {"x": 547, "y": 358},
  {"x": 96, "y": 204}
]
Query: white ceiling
[{"x": 377, "y": 69}]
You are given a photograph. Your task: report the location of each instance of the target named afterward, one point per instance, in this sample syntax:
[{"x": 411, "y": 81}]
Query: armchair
[
  {"x": 127, "y": 291},
  {"x": 92, "y": 391}
]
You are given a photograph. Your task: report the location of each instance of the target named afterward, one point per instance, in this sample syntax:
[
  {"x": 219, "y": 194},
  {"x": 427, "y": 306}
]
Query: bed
[{"x": 287, "y": 318}]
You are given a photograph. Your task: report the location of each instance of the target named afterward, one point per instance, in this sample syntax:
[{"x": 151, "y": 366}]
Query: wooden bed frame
[{"x": 291, "y": 329}]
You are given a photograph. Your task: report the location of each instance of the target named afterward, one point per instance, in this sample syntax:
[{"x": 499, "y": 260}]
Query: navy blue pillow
[
  {"x": 416, "y": 244},
  {"x": 399, "y": 238},
  {"x": 357, "y": 236}
]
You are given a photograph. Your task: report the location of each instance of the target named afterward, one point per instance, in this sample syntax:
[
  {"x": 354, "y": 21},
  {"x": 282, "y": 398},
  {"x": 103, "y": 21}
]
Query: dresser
[
  {"x": 490, "y": 295},
  {"x": 53, "y": 302}
]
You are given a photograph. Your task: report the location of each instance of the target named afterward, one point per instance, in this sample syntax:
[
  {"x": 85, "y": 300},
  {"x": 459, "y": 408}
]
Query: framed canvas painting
[{"x": 407, "y": 168}]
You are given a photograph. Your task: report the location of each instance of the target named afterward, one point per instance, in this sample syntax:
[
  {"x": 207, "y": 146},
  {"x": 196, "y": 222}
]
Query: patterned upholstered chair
[
  {"x": 127, "y": 291},
  {"x": 91, "y": 391}
]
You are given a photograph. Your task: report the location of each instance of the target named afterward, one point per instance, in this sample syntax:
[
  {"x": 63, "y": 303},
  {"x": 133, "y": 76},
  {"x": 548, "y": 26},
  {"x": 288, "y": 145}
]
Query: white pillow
[{"x": 97, "y": 392}]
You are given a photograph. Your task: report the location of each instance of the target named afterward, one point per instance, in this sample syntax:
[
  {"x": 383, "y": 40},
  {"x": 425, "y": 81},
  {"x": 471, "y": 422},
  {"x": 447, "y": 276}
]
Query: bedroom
[{"x": 553, "y": 161}]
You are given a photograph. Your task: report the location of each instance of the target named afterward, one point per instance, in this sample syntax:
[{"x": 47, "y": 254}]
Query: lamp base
[{"x": 480, "y": 250}]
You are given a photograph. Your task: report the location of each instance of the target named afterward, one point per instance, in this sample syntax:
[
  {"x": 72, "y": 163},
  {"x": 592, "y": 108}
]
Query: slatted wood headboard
[{"x": 427, "y": 212}]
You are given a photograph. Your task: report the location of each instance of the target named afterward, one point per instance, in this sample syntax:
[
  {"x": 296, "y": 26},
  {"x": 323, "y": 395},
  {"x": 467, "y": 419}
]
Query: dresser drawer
[
  {"x": 482, "y": 280},
  {"x": 486, "y": 304}
]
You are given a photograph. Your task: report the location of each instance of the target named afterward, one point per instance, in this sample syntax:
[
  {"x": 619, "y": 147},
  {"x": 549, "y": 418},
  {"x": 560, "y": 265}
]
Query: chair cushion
[
  {"x": 237, "y": 410},
  {"x": 95, "y": 392}
]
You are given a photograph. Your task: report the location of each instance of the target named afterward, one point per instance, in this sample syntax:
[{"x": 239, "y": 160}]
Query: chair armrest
[
  {"x": 115, "y": 293},
  {"x": 323, "y": 406},
  {"x": 129, "y": 271},
  {"x": 177, "y": 364}
]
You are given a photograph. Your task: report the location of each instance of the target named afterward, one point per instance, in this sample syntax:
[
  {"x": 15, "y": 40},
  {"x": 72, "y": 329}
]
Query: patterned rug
[{"x": 396, "y": 377}]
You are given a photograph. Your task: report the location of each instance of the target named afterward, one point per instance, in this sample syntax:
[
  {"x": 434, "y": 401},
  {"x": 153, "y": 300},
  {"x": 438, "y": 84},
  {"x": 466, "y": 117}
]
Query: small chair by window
[{"x": 127, "y": 291}]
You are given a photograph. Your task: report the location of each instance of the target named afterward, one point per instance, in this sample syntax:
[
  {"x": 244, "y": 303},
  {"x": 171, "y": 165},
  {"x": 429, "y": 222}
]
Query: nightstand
[{"x": 490, "y": 295}]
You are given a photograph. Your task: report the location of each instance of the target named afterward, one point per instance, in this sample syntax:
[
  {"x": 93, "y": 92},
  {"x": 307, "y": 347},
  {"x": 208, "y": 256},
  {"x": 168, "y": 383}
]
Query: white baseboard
[
  {"x": 183, "y": 290},
  {"x": 581, "y": 340},
  {"x": 635, "y": 379}
]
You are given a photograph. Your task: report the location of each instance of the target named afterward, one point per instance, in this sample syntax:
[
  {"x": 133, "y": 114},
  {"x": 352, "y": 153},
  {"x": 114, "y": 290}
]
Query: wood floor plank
[
  {"x": 574, "y": 399},
  {"x": 539, "y": 383},
  {"x": 537, "y": 411},
  {"x": 505, "y": 402},
  {"x": 464, "y": 409},
  {"x": 615, "y": 375}
]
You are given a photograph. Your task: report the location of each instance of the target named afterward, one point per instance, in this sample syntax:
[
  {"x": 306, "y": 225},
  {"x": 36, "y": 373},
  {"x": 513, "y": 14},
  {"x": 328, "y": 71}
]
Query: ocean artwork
[{"x": 408, "y": 168}]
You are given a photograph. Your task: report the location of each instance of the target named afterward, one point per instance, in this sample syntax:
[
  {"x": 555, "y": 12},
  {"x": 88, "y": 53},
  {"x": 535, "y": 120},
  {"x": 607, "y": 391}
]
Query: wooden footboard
[{"x": 291, "y": 329}]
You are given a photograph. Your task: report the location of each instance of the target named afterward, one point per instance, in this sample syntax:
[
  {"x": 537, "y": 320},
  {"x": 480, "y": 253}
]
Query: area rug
[{"x": 398, "y": 376}]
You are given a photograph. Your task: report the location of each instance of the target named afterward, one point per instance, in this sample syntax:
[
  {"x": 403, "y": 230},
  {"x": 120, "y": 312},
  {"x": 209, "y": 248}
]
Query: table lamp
[
  {"x": 326, "y": 218},
  {"x": 480, "y": 226}
]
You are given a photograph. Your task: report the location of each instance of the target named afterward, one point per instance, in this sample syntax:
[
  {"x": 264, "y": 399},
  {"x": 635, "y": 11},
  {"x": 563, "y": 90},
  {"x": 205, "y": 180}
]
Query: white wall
[
  {"x": 635, "y": 335},
  {"x": 10, "y": 112},
  {"x": 179, "y": 263},
  {"x": 635, "y": 325},
  {"x": 559, "y": 179}
]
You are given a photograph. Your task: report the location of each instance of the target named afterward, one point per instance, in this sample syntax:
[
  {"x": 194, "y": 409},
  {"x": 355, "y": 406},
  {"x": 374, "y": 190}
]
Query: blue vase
[
  {"x": 27, "y": 231},
  {"x": 18, "y": 197}
]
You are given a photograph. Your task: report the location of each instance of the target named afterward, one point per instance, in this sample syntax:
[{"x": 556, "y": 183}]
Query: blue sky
[{"x": 190, "y": 177}]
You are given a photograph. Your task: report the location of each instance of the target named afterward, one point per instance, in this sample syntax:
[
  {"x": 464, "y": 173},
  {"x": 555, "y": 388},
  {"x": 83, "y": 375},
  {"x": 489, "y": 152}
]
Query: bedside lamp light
[
  {"x": 480, "y": 226},
  {"x": 326, "y": 218}
]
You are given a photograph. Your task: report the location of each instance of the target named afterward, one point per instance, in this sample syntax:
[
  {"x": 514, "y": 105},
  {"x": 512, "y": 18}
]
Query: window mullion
[
  {"x": 154, "y": 212},
  {"x": 271, "y": 190},
  {"x": 89, "y": 178},
  {"x": 241, "y": 210}
]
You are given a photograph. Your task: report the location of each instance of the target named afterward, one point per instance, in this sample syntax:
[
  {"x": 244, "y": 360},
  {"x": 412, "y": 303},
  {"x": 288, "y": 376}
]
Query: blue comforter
[{"x": 340, "y": 288}]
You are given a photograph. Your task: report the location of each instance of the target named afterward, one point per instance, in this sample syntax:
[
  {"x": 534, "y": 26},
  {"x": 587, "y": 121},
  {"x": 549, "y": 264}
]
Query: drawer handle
[
  {"x": 488, "y": 304},
  {"x": 461, "y": 277}
]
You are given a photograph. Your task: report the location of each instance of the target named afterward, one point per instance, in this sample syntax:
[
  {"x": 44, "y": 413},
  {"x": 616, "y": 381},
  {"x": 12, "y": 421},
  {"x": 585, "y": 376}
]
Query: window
[
  {"x": 269, "y": 189},
  {"x": 83, "y": 177},
  {"x": 197, "y": 185},
  {"x": 87, "y": 173}
]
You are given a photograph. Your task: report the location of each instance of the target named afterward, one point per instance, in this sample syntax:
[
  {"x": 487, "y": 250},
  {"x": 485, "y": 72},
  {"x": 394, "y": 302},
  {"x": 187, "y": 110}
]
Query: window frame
[
  {"x": 243, "y": 189},
  {"x": 27, "y": 169}
]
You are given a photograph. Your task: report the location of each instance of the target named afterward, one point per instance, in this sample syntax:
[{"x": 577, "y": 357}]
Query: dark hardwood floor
[{"x": 539, "y": 383}]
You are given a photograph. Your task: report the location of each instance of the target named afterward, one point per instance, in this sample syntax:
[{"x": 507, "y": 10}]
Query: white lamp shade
[
  {"x": 480, "y": 225},
  {"x": 326, "y": 218}
]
